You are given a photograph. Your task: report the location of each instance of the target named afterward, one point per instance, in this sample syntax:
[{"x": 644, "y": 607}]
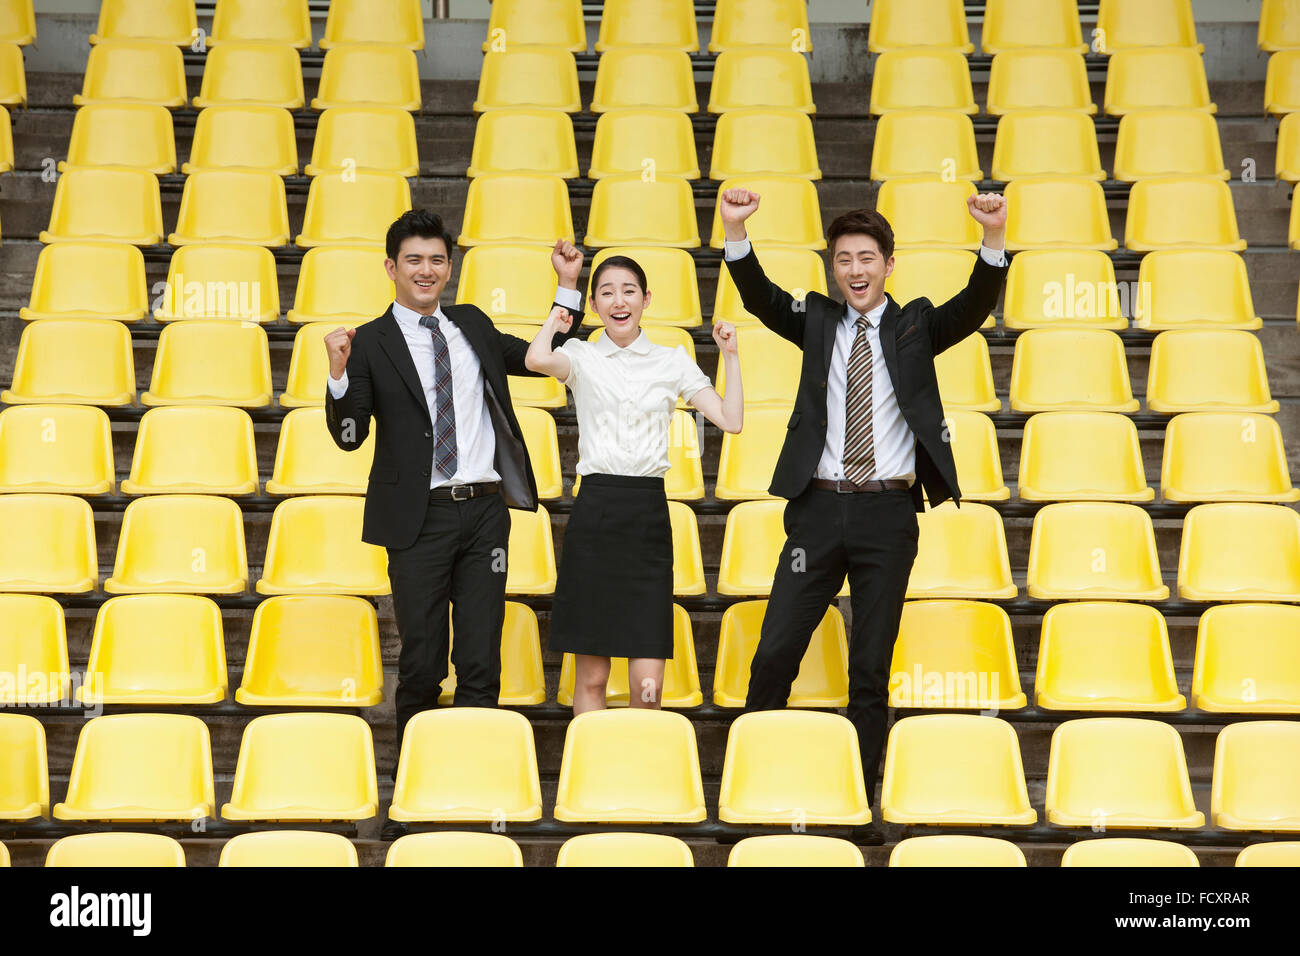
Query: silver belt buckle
[{"x": 469, "y": 492}]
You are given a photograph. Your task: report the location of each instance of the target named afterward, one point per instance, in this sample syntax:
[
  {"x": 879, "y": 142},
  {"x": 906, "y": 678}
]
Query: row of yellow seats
[
  {"x": 642, "y": 766},
  {"x": 287, "y": 21},
  {"x": 1282, "y": 83},
  {"x": 17, "y": 22},
  {"x": 13, "y": 76},
  {"x": 248, "y": 137},
  {"x": 118, "y": 204},
  {"x": 1279, "y": 34},
  {"x": 250, "y": 74}
]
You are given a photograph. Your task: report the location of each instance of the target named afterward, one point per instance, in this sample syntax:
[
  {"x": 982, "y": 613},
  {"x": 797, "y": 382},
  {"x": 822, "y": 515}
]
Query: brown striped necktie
[{"x": 859, "y": 448}]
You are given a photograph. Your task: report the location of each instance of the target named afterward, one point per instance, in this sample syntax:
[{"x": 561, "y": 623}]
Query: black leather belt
[
  {"x": 848, "y": 487},
  {"x": 464, "y": 492}
]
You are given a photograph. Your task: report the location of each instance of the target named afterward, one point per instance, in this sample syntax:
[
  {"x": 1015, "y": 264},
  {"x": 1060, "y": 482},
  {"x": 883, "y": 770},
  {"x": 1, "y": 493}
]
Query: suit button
[
  {"x": 426, "y": 474},
  {"x": 823, "y": 422},
  {"x": 823, "y": 384},
  {"x": 428, "y": 434}
]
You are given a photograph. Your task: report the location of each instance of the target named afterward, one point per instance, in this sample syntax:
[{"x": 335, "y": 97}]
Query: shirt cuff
[
  {"x": 571, "y": 299},
  {"x": 994, "y": 257},
  {"x": 339, "y": 386},
  {"x": 735, "y": 250}
]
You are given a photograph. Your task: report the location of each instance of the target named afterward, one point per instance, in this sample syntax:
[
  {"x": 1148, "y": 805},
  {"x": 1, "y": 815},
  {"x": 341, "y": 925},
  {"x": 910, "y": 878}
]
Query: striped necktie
[
  {"x": 444, "y": 420},
  {"x": 859, "y": 448}
]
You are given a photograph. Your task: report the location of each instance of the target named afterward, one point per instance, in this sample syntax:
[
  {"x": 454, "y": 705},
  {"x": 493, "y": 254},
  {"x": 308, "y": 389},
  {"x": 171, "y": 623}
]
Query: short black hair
[
  {"x": 866, "y": 222},
  {"x": 416, "y": 222},
  {"x": 620, "y": 262}
]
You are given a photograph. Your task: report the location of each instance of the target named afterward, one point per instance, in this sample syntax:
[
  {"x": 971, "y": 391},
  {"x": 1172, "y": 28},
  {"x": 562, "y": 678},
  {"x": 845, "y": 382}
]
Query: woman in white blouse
[{"x": 614, "y": 595}]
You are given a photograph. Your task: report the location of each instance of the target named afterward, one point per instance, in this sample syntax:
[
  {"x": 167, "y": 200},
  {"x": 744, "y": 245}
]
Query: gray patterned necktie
[
  {"x": 444, "y": 420},
  {"x": 859, "y": 446}
]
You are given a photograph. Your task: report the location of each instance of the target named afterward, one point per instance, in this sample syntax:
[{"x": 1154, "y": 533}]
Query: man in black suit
[
  {"x": 866, "y": 434},
  {"x": 449, "y": 459}
]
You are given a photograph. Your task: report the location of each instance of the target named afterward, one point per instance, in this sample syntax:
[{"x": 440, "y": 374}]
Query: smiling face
[
  {"x": 420, "y": 272},
  {"x": 619, "y": 300},
  {"x": 860, "y": 270}
]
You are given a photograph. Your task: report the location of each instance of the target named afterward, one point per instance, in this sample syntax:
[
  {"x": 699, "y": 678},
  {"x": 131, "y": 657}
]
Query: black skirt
[{"x": 614, "y": 594}]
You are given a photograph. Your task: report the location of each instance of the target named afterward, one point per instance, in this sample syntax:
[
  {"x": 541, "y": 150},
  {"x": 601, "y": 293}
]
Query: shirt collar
[
  {"x": 873, "y": 316},
  {"x": 411, "y": 319},
  {"x": 606, "y": 346}
]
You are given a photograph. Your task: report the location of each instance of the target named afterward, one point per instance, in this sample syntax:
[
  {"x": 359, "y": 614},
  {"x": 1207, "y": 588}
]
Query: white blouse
[{"x": 625, "y": 398}]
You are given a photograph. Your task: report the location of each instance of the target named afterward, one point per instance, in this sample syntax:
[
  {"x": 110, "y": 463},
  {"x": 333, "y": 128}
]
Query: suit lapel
[
  {"x": 828, "y": 345},
  {"x": 394, "y": 345},
  {"x": 888, "y": 335}
]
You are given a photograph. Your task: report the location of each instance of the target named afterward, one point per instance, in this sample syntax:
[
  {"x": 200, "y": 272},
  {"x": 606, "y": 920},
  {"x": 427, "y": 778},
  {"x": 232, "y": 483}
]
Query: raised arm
[
  {"x": 542, "y": 358},
  {"x": 775, "y": 307},
  {"x": 727, "y": 412},
  {"x": 566, "y": 259},
  {"x": 965, "y": 312}
]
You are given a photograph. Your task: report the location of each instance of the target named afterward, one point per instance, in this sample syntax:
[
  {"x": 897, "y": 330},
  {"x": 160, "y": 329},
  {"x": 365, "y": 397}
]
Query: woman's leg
[
  {"x": 590, "y": 679},
  {"x": 645, "y": 682}
]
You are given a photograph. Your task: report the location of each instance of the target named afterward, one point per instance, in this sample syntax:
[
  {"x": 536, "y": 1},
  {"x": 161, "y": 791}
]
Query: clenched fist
[
  {"x": 338, "y": 344},
  {"x": 560, "y": 319},
  {"x": 566, "y": 259},
  {"x": 724, "y": 334},
  {"x": 989, "y": 210},
  {"x": 737, "y": 205}
]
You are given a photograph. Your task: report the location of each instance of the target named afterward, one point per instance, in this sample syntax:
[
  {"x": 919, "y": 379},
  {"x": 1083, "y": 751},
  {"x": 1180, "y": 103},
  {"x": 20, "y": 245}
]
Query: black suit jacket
[
  {"x": 383, "y": 382},
  {"x": 910, "y": 336}
]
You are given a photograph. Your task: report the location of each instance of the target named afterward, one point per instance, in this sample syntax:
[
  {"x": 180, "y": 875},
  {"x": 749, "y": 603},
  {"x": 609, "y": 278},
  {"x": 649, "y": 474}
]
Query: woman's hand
[
  {"x": 560, "y": 320},
  {"x": 566, "y": 259},
  {"x": 724, "y": 334}
]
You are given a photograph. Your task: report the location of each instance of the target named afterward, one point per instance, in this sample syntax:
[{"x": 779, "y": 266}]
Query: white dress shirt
[
  {"x": 892, "y": 439},
  {"x": 625, "y": 398}
]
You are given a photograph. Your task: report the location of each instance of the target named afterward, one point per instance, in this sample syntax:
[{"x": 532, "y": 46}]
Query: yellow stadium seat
[
  {"x": 751, "y": 547},
  {"x": 194, "y": 449},
  {"x": 114, "y": 849},
  {"x": 467, "y": 764},
  {"x": 1280, "y": 853},
  {"x": 109, "y": 203},
  {"x": 1225, "y": 456},
  {"x": 280, "y": 21},
  {"x": 1240, "y": 551},
  {"x": 748, "y": 457},
  {"x": 1094, "y": 549},
  {"x": 234, "y": 206},
  {"x": 1039, "y": 80},
  {"x": 1070, "y": 369},
  {"x": 1031, "y": 24},
  {"x": 670, "y": 275},
  {"x": 313, "y": 650},
  {"x": 366, "y": 74},
  {"x": 1122, "y": 24},
  {"x": 138, "y": 135},
  {"x": 975, "y": 451},
  {"x": 1181, "y": 211},
  {"x": 343, "y": 285},
  {"x": 688, "y": 565},
  {"x": 624, "y": 849},
  {"x": 650, "y": 142},
  {"x": 542, "y": 23},
  {"x": 6, "y": 142},
  {"x": 4, "y": 856},
  {"x": 1051, "y": 143},
  {"x": 539, "y": 392},
  {"x": 681, "y": 685},
  {"x": 184, "y": 373},
  {"x": 962, "y": 553},
  {"x": 641, "y": 77},
  {"x": 954, "y": 769},
  {"x": 955, "y": 654},
  {"x": 1194, "y": 288},
  {"x": 454, "y": 849},
  {"x": 1157, "y": 142},
  {"x": 352, "y": 208},
  {"x": 251, "y": 74},
  {"x": 315, "y": 547},
  {"x": 1279, "y": 29},
  {"x": 631, "y": 765},
  {"x": 1081, "y": 456},
  {"x": 1293, "y": 233},
  {"x": 17, "y": 22},
  {"x": 1106, "y": 655},
  {"x": 790, "y": 214},
  {"x": 684, "y": 480},
  {"x": 899, "y": 24},
  {"x": 1245, "y": 660},
  {"x": 57, "y": 449},
  {"x": 522, "y": 682},
  {"x": 135, "y": 71},
  {"x": 748, "y": 23},
  {"x": 517, "y": 207},
  {"x": 1062, "y": 288},
  {"x": 1119, "y": 772},
  {"x": 252, "y": 137},
  {"x": 764, "y": 142},
  {"x": 531, "y": 553},
  {"x": 956, "y": 850},
  {"x": 511, "y": 283},
  {"x": 288, "y": 848},
  {"x": 49, "y": 545},
  {"x": 822, "y": 680},
  {"x": 965, "y": 376},
  {"x": 794, "y": 849},
  {"x": 929, "y": 212},
  {"x": 798, "y": 271},
  {"x": 180, "y": 544},
  {"x": 216, "y": 281},
  {"x": 76, "y": 361},
  {"x": 921, "y": 78},
  {"x": 522, "y": 141},
  {"x": 25, "y": 787},
  {"x": 761, "y": 77},
  {"x": 142, "y": 767},
  {"x": 531, "y": 76},
  {"x": 304, "y": 767},
  {"x": 910, "y": 143},
  {"x": 1157, "y": 78},
  {"x": 792, "y": 768},
  {"x": 627, "y": 210},
  {"x": 1256, "y": 783},
  {"x": 1128, "y": 852},
  {"x": 1057, "y": 212},
  {"x": 308, "y": 366},
  {"x": 542, "y": 440},
  {"x": 399, "y": 22},
  {"x": 364, "y": 137},
  {"x": 166, "y": 21},
  {"x": 1193, "y": 370},
  {"x": 156, "y": 649},
  {"x": 666, "y": 23},
  {"x": 1287, "y": 160},
  {"x": 33, "y": 653},
  {"x": 1282, "y": 83}
]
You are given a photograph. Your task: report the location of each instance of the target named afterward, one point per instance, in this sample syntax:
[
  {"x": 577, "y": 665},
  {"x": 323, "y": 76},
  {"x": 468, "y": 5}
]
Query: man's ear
[
  {"x": 390, "y": 267},
  {"x": 889, "y": 266}
]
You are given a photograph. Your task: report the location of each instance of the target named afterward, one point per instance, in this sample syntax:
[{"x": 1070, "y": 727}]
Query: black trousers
[
  {"x": 458, "y": 557},
  {"x": 871, "y": 536}
]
